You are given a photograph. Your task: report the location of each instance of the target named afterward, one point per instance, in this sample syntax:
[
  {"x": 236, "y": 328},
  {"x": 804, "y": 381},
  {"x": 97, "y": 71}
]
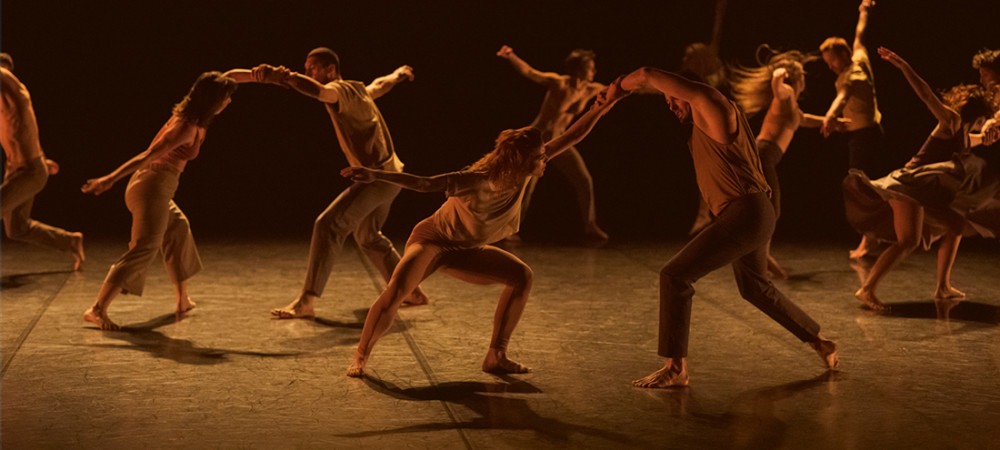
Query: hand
[
  {"x": 991, "y": 132},
  {"x": 266, "y": 73},
  {"x": 97, "y": 186},
  {"x": 892, "y": 57},
  {"x": 780, "y": 72},
  {"x": 828, "y": 125},
  {"x": 611, "y": 94},
  {"x": 506, "y": 52},
  {"x": 404, "y": 73},
  {"x": 358, "y": 174},
  {"x": 866, "y": 5},
  {"x": 51, "y": 166},
  {"x": 840, "y": 126}
]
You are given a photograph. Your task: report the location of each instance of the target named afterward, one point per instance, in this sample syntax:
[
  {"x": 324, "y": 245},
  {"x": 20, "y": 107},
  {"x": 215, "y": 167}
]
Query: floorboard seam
[
  {"x": 31, "y": 326},
  {"x": 379, "y": 284}
]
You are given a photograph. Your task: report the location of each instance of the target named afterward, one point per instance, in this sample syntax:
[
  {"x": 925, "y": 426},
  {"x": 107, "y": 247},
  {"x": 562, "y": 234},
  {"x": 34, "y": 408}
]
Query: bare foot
[
  {"x": 357, "y": 367},
  {"x": 857, "y": 253},
  {"x": 947, "y": 293},
  {"x": 78, "y": 257},
  {"x": 512, "y": 241},
  {"x": 594, "y": 235},
  {"x": 100, "y": 318},
  {"x": 416, "y": 298},
  {"x": 497, "y": 362},
  {"x": 775, "y": 270},
  {"x": 667, "y": 377},
  {"x": 827, "y": 351},
  {"x": 869, "y": 300},
  {"x": 301, "y": 307},
  {"x": 185, "y": 304}
]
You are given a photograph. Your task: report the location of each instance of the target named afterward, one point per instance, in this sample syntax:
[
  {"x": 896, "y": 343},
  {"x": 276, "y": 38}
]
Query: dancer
[
  {"x": 157, "y": 223},
  {"x": 775, "y": 87},
  {"x": 565, "y": 97},
  {"x": 27, "y": 170},
  {"x": 483, "y": 206},
  {"x": 936, "y": 195},
  {"x": 364, "y": 138},
  {"x": 730, "y": 179},
  {"x": 987, "y": 62}
]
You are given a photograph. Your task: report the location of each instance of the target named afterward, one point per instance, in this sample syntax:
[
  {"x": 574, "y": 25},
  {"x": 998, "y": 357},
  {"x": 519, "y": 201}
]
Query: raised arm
[
  {"x": 710, "y": 110},
  {"x": 779, "y": 88},
  {"x": 543, "y": 78},
  {"x": 862, "y": 27},
  {"x": 948, "y": 120},
  {"x": 581, "y": 128},
  {"x": 382, "y": 85},
  {"x": 436, "y": 183},
  {"x": 182, "y": 134},
  {"x": 240, "y": 75}
]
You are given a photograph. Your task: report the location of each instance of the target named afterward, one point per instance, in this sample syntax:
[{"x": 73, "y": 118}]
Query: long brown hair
[
  {"x": 751, "y": 86},
  {"x": 202, "y": 101},
  {"x": 512, "y": 159},
  {"x": 971, "y": 101}
]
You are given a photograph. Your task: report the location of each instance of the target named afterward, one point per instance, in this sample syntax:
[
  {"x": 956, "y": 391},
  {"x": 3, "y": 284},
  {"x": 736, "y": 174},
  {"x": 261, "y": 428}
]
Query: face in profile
[
  {"x": 988, "y": 78},
  {"x": 588, "y": 70},
  {"x": 319, "y": 70},
  {"x": 836, "y": 61},
  {"x": 680, "y": 108}
]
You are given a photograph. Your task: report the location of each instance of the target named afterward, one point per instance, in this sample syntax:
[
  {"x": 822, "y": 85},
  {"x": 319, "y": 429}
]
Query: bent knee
[
  {"x": 908, "y": 243},
  {"x": 523, "y": 279}
]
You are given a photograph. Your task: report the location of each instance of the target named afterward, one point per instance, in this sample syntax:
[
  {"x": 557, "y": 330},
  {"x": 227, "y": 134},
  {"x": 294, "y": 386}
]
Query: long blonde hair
[
  {"x": 512, "y": 159},
  {"x": 751, "y": 86}
]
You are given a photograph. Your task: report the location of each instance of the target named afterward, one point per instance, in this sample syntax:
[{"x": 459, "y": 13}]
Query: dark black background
[{"x": 105, "y": 74}]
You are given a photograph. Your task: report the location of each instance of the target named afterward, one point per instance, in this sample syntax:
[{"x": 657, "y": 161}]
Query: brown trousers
[
  {"x": 157, "y": 225},
  {"x": 17, "y": 196}
]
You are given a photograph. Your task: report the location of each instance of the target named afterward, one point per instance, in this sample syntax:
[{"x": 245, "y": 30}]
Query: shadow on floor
[
  {"x": 947, "y": 310},
  {"x": 17, "y": 280},
  {"x": 492, "y": 407},
  {"x": 144, "y": 337}
]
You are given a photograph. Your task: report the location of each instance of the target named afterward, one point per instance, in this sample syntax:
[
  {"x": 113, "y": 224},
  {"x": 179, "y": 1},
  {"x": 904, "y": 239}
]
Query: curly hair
[
  {"x": 751, "y": 86},
  {"x": 512, "y": 159},
  {"x": 577, "y": 58},
  {"x": 971, "y": 101},
  {"x": 990, "y": 59},
  {"x": 202, "y": 101}
]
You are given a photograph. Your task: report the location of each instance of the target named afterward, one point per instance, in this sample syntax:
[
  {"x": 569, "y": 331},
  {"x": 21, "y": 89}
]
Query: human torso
[
  {"x": 476, "y": 212},
  {"x": 781, "y": 121},
  {"x": 561, "y": 104},
  {"x": 18, "y": 126},
  {"x": 726, "y": 172},
  {"x": 936, "y": 149},
  {"x": 178, "y": 156},
  {"x": 862, "y": 106},
  {"x": 361, "y": 130}
]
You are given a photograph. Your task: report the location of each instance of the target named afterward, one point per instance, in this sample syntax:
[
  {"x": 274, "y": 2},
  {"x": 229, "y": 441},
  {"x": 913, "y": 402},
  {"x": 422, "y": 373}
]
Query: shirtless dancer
[
  {"x": 565, "y": 97},
  {"x": 26, "y": 171},
  {"x": 730, "y": 179},
  {"x": 774, "y": 86},
  {"x": 364, "y": 138},
  {"x": 987, "y": 62},
  {"x": 856, "y": 102}
]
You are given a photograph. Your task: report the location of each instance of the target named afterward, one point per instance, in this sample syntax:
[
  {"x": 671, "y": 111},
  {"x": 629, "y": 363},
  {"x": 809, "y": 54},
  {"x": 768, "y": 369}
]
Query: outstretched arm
[
  {"x": 779, "y": 88},
  {"x": 862, "y": 27},
  {"x": 305, "y": 85},
  {"x": 184, "y": 133},
  {"x": 948, "y": 120},
  {"x": 836, "y": 108},
  {"x": 543, "y": 78},
  {"x": 581, "y": 128},
  {"x": 240, "y": 75},
  {"x": 710, "y": 110},
  {"x": 382, "y": 85},
  {"x": 436, "y": 183}
]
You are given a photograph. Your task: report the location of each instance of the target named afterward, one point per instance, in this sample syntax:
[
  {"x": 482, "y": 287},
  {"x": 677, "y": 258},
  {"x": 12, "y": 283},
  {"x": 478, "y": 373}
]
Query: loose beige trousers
[{"x": 17, "y": 196}]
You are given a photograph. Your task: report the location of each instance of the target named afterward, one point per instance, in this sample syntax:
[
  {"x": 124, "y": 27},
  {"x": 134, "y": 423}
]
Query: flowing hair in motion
[{"x": 512, "y": 159}]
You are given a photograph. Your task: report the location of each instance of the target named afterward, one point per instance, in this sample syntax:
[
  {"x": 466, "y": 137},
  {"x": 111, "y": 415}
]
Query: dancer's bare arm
[
  {"x": 989, "y": 134},
  {"x": 436, "y": 183},
  {"x": 304, "y": 84},
  {"x": 382, "y": 85},
  {"x": 710, "y": 110},
  {"x": 862, "y": 27},
  {"x": 544, "y": 78},
  {"x": 182, "y": 134},
  {"x": 949, "y": 121},
  {"x": 836, "y": 108},
  {"x": 581, "y": 128},
  {"x": 815, "y": 121},
  {"x": 240, "y": 75}
]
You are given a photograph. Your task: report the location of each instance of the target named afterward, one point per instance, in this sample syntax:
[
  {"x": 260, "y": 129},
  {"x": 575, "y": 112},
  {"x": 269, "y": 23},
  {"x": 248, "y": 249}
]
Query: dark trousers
[
  {"x": 866, "y": 149},
  {"x": 738, "y": 236}
]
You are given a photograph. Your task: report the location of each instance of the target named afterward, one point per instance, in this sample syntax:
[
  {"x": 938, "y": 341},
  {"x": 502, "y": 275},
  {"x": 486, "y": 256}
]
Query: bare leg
[
  {"x": 301, "y": 307},
  {"x": 827, "y": 351},
  {"x": 908, "y": 219},
  {"x": 76, "y": 240},
  {"x": 673, "y": 374},
  {"x": 947, "y": 250},
  {"x": 98, "y": 314},
  {"x": 418, "y": 262},
  {"x": 184, "y": 303},
  {"x": 862, "y": 250}
]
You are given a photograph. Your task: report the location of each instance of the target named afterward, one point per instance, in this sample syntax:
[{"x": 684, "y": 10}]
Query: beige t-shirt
[
  {"x": 726, "y": 172},
  {"x": 859, "y": 80},
  {"x": 18, "y": 127},
  {"x": 475, "y": 212},
  {"x": 362, "y": 132}
]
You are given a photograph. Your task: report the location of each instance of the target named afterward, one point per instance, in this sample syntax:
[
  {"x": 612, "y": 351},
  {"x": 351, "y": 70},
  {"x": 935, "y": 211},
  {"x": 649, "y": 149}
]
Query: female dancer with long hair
[
  {"x": 941, "y": 193},
  {"x": 483, "y": 206},
  {"x": 157, "y": 223}
]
